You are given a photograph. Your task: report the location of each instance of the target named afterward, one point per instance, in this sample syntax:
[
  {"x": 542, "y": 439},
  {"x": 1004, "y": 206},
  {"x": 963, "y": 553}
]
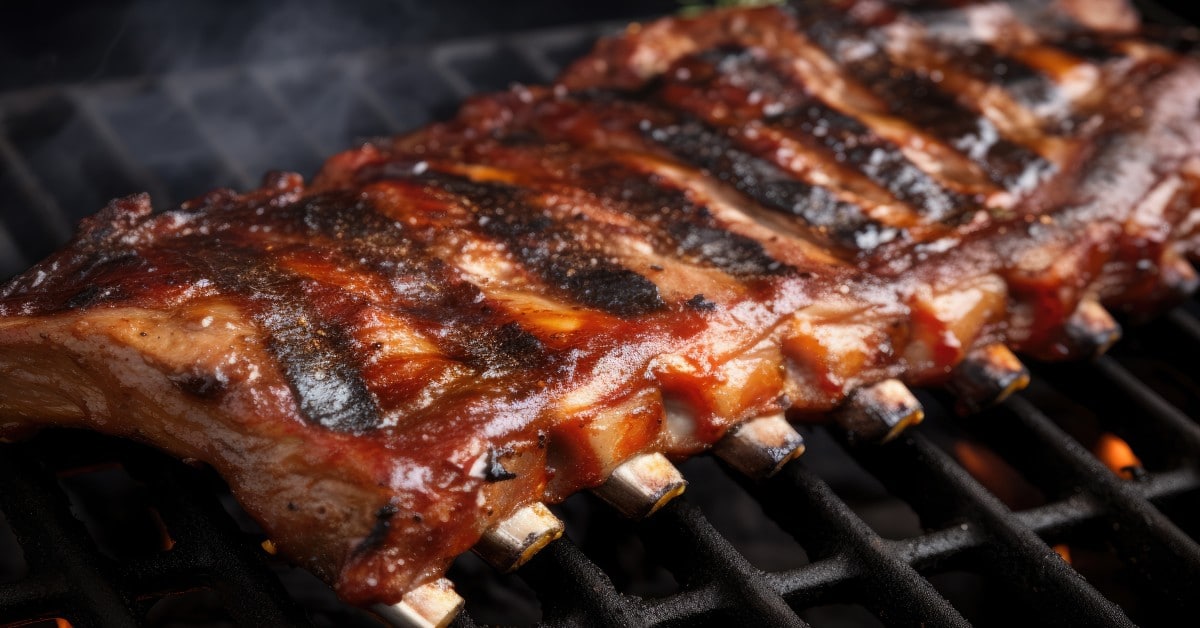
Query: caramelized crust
[{"x": 704, "y": 221}]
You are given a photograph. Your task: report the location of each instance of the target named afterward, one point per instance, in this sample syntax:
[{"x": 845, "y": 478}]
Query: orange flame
[
  {"x": 997, "y": 476},
  {"x": 1117, "y": 455},
  {"x": 1063, "y": 551}
]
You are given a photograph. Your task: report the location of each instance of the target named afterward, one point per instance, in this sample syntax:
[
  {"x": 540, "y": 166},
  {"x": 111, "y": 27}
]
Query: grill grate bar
[
  {"x": 698, "y": 550},
  {"x": 55, "y": 543},
  {"x": 441, "y": 63},
  {"x": 207, "y": 536},
  {"x": 937, "y": 547},
  {"x": 918, "y": 471},
  {"x": 209, "y": 549},
  {"x": 575, "y": 591},
  {"x": 1176, "y": 426},
  {"x": 376, "y": 103},
  {"x": 177, "y": 92},
  {"x": 259, "y": 78},
  {"x": 144, "y": 179},
  {"x": 687, "y": 607},
  {"x": 1166, "y": 558},
  {"x": 49, "y": 221},
  {"x": 32, "y": 597},
  {"x": 810, "y": 585},
  {"x": 531, "y": 54},
  {"x": 807, "y": 507},
  {"x": 1185, "y": 323},
  {"x": 1081, "y": 508}
]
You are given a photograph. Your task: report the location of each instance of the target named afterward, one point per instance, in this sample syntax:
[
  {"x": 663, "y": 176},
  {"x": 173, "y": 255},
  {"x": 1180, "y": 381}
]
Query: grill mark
[
  {"x": 673, "y": 223},
  {"x": 330, "y": 389},
  {"x": 604, "y": 124},
  {"x": 839, "y": 141},
  {"x": 981, "y": 62},
  {"x": 306, "y": 327},
  {"x": 919, "y": 100},
  {"x": 666, "y": 216},
  {"x": 684, "y": 225},
  {"x": 550, "y": 250},
  {"x": 1037, "y": 66},
  {"x": 309, "y": 324},
  {"x": 882, "y": 162},
  {"x": 699, "y": 145},
  {"x": 992, "y": 78},
  {"x": 1088, "y": 47},
  {"x": 424, "y": 288}
]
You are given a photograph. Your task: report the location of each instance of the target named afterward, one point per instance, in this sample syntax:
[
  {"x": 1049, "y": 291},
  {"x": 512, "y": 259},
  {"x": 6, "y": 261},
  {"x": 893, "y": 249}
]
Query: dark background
[{"x": 47, "y": 42}]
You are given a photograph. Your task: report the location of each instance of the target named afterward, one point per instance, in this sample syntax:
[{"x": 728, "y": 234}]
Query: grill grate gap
[
  {"x": 203, "y": 605},
  {"x": 491, "y": 599},
  {"x": 164, "y": 139},
  {"x": 886, "y": 512},
  {"x": 68, "y": 157},
  {"x": 740, "y": 519},
  {"x": 1004, "y": 465},
  {"x": 615, "y": 544},
  {"x": 244, "y": 121},
  {"x": 114, "y": 509},
  {"x": 841, "y": 615},
  {"x": 12, "y": 558}
]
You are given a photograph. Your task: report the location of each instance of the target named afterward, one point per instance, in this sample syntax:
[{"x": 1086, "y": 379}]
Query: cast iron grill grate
[{"x": 918, "y": 530}]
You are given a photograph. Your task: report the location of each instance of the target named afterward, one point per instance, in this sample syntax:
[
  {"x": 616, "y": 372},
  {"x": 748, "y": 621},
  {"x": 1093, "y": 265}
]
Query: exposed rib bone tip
[
  {"x": 1179, "y": 276},
  {"x": 1091, "y": 330},
  {"x": 433, "y": 605},
  {"x": 512, "y": 542},
  {"x": 987, "y": 376},
  {"x": 879, "y": 412},
  {"x": 642, "y": 485},
  {"x": 760, "y": 447}
]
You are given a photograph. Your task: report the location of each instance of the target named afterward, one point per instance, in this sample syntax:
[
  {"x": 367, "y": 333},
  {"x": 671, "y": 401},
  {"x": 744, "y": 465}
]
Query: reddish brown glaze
[{"x": 705, "y": 221}]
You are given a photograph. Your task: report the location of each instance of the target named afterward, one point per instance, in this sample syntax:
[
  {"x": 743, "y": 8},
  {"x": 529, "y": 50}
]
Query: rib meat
[{"x": 703, "y": 221}]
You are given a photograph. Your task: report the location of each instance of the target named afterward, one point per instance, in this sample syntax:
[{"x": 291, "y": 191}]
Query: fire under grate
[{"x": 1026, "y": 510}]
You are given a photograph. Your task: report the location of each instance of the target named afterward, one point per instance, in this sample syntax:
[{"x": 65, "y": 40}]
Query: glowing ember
[
  {"x": 997, "y": 476},
  {"x": 1117, "y": 455}
]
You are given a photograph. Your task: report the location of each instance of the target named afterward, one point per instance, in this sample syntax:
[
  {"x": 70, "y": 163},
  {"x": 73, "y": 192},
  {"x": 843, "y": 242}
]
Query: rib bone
[
  {"x": 1091, "y": 330},
  {"x": 988, "y": 375},
  {"x": 433, "y": 605},
  {"x": 642, "y": 485},
  {"x": 760, "y": 447},
  {"x": 878, "y": 413},
  {"x": 1179, "y": 276},
  {"x": 512, "y": 542}
]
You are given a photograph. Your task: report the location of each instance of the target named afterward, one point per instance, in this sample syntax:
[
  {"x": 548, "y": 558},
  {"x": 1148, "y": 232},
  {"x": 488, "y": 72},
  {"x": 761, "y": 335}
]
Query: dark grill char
[
  {"x": 700, "y": 223},
  {"x": 917, "y": 95},
  {"x": 816, "y": 206},
  {"x": 546, "y": 248}
]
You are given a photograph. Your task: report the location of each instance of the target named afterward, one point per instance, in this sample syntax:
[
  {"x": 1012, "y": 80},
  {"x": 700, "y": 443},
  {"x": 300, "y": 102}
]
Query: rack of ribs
[{"x": 706, "y": 225}]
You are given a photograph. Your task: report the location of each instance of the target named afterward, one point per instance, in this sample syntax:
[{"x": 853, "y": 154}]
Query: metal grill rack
[{"x": 908, "y": 532}]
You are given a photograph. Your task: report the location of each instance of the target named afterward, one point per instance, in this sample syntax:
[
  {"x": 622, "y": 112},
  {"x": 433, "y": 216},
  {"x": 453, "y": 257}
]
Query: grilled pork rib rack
[{"x": 704, "y": 224}]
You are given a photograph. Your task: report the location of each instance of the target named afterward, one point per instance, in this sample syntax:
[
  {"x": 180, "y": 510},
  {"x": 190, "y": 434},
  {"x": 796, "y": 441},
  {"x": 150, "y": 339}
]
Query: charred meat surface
[{"x": 704, "y": 221}]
